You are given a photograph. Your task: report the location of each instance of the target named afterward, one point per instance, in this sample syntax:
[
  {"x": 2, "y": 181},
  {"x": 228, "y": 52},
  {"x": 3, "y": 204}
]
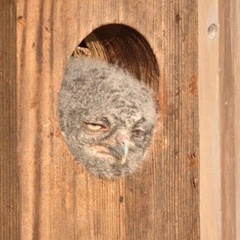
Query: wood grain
[
  {"x": 235, "y": 55},
  {"x": 59, "y": 199},
  {"x": 209, "y": 120},
  {"x": 9, "y": 174},
  {"x": 229, "y": 63},
  {"x": 219, "y": 112}
]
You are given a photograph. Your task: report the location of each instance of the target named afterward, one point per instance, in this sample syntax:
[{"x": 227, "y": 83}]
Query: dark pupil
[{"x": 137, "y": 132}]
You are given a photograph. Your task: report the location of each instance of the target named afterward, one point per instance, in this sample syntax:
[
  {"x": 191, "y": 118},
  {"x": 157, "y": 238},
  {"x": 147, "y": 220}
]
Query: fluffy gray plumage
[{"x": 107, "y": 117}]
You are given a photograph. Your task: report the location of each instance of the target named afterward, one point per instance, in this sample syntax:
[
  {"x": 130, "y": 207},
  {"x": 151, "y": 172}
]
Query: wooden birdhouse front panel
[{"x": 57, "y": 197}]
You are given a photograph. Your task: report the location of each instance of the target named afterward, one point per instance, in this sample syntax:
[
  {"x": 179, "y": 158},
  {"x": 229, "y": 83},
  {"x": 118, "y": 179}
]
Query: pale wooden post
[{"x": 219, "y": 114}]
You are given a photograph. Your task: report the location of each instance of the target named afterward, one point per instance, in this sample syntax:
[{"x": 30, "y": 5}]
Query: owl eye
[
  {"x": 138, "y": 132},
  {"x": 95, "y": 126}
]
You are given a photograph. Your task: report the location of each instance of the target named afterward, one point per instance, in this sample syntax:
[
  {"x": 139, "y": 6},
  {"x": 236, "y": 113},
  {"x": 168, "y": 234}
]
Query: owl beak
[
  {"x": 123, "y": 141},
  {"x": 125, "y": 152}
]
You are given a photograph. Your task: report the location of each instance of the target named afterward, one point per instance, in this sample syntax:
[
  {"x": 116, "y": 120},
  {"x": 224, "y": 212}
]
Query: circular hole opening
[{"x": 123, "y": 45}]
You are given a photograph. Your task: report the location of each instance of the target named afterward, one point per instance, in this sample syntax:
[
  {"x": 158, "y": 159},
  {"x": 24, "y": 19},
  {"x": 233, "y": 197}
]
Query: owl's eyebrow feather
[
  {"x": 94, "y": 119},
  {"x": 142, "y": 120}
]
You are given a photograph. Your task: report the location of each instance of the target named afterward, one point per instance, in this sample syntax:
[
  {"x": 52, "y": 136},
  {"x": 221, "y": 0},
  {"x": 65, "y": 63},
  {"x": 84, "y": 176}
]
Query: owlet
[{"x": 107, "y": 117}]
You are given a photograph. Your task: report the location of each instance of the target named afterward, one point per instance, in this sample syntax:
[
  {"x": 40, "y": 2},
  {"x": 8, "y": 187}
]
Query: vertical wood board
[
  {"x": 59, "y": 199},
  {"x": 229, "y": 63},
  {"x": 9, "y": 174},
  {"x": 219, "y": 118},
  {"x": 209, "y": 120}
]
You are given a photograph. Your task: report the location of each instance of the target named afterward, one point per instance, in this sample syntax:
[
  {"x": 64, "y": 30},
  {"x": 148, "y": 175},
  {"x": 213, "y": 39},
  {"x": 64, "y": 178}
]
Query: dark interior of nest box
[{"x": 123, "y": 45}]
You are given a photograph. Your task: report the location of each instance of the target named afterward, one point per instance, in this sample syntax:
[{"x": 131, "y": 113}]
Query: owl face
[{"x": 107, "y": 118}]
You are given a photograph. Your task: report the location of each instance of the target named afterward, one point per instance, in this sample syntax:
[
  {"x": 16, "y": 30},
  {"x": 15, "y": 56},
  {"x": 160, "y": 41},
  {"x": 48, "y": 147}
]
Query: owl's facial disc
[{"x": 107, "y": 117}]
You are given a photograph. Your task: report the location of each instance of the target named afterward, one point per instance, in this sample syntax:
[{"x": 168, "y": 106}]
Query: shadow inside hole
[{"x": 122, "y": 45}]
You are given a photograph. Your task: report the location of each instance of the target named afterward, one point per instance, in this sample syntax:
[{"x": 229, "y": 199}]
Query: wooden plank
[
  {"x": 219, "y": 118},
  {"x": 9, "y": 175},
  {"x": 209, "y": 120},
  {"x": 229, "y": 110},
  {"x": 59, "y": 199},
  {"x": 235, "y": 55}
]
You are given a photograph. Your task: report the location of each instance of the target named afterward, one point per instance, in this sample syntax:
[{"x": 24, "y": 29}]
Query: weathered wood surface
[
  {"x": 229, "y": 75},
  {"x": 58, "y": 198},
  {"x": 219, "y": 114},
  {"x": 9, "y": 174},
  {"x": 209, "y": 124}
]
